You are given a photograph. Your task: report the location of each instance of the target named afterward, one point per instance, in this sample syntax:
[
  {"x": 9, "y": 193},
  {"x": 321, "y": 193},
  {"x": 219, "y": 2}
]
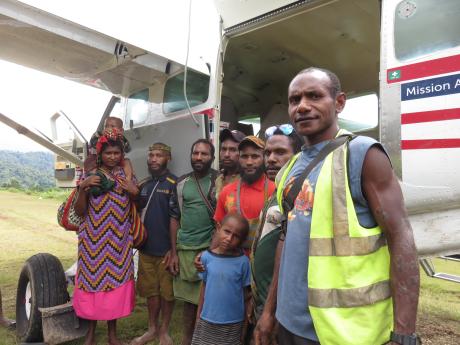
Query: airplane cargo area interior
[{"x": 259, "y": 64}]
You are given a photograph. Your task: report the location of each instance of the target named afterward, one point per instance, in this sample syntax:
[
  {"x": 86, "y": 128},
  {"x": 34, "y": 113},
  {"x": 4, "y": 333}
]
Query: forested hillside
[{"x": 26, "y": 169}]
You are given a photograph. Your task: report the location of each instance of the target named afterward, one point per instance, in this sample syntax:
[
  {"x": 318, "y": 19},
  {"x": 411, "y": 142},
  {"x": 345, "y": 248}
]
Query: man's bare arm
[
  {"x": 200, "y": 302},
  {"x": 247, "y": 311},
  {"x": 263, "y": 333},
  {"x": 173, "y": 261},
  {"x": 383, "y": 193}
]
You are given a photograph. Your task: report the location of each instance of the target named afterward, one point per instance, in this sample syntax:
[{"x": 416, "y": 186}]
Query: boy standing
[{"x": 222, "y": 310}]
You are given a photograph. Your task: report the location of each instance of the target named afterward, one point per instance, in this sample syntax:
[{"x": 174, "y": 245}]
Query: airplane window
[
  {"x": 425, "y": 26},
  {"x": 360, "y": 113},
  {"x": 138, "y": 107},
  {"x": 197, "y": 91}
]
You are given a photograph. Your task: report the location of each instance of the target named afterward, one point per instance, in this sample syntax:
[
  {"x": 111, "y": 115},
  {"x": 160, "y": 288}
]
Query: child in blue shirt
[{"x": 221, "y": 317}]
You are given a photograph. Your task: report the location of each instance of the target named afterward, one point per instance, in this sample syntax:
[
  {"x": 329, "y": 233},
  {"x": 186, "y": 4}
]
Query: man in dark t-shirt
[{"x": 157, "y": 259}]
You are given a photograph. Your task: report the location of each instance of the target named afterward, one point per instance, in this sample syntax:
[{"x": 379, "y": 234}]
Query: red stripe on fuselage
[
  {"x": 430, "y": 116},
  {"x": 426, "y": 68},
  {"x": 430, "y": 144}
]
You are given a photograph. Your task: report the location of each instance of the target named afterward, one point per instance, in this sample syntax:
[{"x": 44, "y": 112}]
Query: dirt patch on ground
[{"x": 436, "y": 331}]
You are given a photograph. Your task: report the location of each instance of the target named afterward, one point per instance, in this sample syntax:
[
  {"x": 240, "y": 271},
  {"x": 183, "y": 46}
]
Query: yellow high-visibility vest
[{"x": 349, "y": 295}]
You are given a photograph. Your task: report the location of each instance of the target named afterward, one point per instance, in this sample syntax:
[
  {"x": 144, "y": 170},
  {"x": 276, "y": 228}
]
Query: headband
[
  {"x": 113, "y": 134},
  {"x": 160, "y": 146}
]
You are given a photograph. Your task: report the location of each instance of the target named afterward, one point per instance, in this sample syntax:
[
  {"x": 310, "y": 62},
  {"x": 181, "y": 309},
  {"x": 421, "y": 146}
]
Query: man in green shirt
[
  {"x": 281, "y": 144},
  {"x": 196, "y": 200}
]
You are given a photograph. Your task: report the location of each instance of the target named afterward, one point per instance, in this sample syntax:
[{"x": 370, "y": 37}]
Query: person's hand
[
  {"x": 89, "y": 182},
  {"x": 173, "y": 265},
  {"x": 250, "y": 311},
  {"x": 166, "y": 259},
  {"x": 129, "y": 186},
  {"x": 264, "y": 331},
  {"x": 198, "y": 264},
  {"x": 171, "y": 262}
]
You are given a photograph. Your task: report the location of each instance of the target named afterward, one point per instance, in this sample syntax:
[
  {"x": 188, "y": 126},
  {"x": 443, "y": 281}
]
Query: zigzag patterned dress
[{"x": 104, "y": 288}]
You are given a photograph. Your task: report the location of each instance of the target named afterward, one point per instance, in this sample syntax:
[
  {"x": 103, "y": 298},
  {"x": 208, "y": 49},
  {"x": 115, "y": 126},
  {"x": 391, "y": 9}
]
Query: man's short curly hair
[
  {"x": 334, "y": 87},
  {"x": 206, "y": 142}
]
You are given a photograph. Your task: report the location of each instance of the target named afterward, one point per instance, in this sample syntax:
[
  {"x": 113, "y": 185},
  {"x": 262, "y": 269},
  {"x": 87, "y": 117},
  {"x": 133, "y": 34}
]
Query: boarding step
[
  {"x": 455, "y": 257},
  {"x": 430, "y": 270},
  {"x": 447, "y": 276}
]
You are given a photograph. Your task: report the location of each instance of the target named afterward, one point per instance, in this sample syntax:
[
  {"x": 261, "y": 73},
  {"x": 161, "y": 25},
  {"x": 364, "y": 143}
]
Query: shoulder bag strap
[
  {"x": 151, "y": 194},
  {"x": 266, "y": 196},
  {"x": 288, "y": 200},
  {"x": 205, "y": 199},
  {"x": 144, "y": 210},
  {"x": 238, "y": 199}
]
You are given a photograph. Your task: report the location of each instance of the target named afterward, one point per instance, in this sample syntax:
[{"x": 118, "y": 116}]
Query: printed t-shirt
[
  {"x": 196, "y": 224},
  {"x": 292, "y": 301},
  {"x": 162, "y": 207},
  {"x": 252, "y": 200},
  {"x": 263, "y": 253},
  {"x": 225, "y": 277}
]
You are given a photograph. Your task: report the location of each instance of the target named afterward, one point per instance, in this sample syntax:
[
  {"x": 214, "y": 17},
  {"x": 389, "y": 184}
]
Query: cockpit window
[{"x": 197, "y": 91}]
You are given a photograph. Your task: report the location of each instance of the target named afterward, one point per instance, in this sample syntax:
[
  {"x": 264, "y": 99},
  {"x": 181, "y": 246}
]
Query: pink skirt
[{"x": 104, "y": 305}]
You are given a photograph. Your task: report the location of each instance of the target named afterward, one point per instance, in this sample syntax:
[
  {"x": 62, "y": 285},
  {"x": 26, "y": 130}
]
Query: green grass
[
  {"x": 441, "y": 298},
  {"x": 28, "y": 226},
  {"x": 49, "y": 193}
]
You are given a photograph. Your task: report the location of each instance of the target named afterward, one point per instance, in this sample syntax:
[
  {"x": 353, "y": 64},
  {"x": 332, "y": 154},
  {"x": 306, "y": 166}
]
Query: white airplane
[{"x": 406, "y": 53}]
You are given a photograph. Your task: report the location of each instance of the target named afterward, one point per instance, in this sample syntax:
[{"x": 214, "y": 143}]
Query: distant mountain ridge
[{"x": 26, "y": 169}]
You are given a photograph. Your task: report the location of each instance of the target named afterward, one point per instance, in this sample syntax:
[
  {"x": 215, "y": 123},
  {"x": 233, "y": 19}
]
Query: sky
[{"x": 30, "y": 97}]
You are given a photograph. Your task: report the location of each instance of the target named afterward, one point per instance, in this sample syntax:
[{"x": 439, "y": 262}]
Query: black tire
[{"x": 45, "y": 276}]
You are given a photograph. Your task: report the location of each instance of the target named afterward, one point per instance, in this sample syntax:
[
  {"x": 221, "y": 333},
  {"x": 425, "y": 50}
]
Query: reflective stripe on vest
[{"x": 347, "y": 298}]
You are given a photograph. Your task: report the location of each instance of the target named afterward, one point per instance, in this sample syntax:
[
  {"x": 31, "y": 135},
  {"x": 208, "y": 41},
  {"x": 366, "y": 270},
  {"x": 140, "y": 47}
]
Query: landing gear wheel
[{"x": 41, "y": 284}]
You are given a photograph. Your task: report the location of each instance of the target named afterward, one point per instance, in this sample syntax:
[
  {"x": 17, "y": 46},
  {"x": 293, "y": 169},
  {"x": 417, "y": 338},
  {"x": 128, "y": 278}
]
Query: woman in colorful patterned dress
[{"x": 104, "y": 287}]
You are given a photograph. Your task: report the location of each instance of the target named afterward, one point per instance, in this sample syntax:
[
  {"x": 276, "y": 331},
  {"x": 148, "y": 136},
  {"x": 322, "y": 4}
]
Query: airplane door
[
  {"x": 420, "y": 112},
  {"x": 237, "y": 13}
]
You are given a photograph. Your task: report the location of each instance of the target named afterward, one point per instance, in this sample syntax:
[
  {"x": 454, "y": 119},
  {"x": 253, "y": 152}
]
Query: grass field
[{"x": 28, "y": 226}]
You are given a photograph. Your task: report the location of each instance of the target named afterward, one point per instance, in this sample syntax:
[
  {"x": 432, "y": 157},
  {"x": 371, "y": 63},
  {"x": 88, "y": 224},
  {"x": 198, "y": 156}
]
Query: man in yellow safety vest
[{"x": 348, "y": 272}]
